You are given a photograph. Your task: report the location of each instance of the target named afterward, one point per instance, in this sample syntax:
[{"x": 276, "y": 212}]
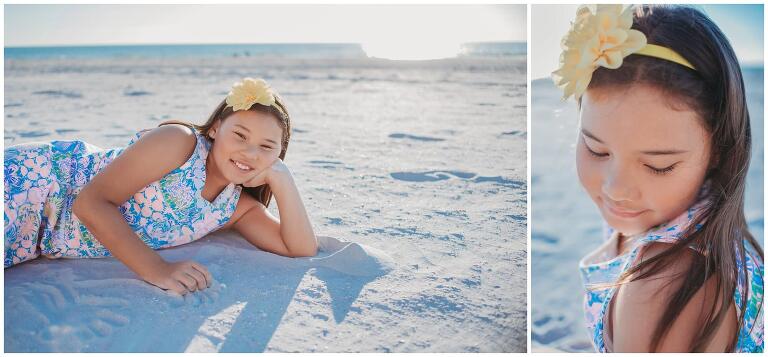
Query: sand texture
[{"x": 418, "y": 171}]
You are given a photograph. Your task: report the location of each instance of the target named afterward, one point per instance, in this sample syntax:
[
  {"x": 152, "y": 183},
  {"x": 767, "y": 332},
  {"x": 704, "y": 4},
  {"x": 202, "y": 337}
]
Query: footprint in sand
[
  {"x": 66, "y": 131},
  {"x": 130, "y": 92},
  {"x": 519, "y": 133},
  {"x": 59, "y": 93},
  {"x": 33, "y": 133},
  {"x": 430, "y": 176},
  {"x": 327, "y": 164},
  {"x": 414, "y": 137}
]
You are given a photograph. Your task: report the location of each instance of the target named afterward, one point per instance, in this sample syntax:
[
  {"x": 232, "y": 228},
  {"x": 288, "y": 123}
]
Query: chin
[{"x": 626, "y": 226}]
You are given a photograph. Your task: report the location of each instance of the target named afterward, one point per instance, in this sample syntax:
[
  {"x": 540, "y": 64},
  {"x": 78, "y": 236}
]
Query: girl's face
[
  {"x": 640, "y": 160},
  {"x": 246, "y": 143}
]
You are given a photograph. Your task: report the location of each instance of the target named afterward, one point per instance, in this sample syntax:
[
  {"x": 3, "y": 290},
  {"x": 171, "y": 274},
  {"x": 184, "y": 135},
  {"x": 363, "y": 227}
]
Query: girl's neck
[{"x": 625, "y": 242}]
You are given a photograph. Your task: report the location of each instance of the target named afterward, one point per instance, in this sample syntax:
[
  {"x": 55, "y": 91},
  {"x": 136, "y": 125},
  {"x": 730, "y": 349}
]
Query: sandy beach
[
  {"x": 566, "y": 224},
  {"x": 419, "y": 166}
]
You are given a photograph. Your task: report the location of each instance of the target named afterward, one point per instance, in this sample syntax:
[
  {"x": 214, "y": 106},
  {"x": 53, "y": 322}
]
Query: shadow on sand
[{"x": 88, "y": 305}]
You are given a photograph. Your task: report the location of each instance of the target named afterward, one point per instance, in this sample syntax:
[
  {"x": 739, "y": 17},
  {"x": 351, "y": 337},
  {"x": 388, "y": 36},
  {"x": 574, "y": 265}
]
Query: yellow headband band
[{"x": 664, "y": 53}]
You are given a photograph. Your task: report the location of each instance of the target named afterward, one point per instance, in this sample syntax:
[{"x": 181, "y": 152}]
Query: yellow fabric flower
[
  {"x": 599, "y": 36},
  {"x": 249, "y": 91}
]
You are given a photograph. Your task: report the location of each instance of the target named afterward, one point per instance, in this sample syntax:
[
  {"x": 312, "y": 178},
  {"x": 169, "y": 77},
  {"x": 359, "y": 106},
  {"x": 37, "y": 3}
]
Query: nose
[
  {"x": 253, "y": 154},
  {"x": 619, "y": 184}
]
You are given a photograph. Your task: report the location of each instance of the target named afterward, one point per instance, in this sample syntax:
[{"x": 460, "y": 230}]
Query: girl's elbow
[{"x": 307, "y": 251}]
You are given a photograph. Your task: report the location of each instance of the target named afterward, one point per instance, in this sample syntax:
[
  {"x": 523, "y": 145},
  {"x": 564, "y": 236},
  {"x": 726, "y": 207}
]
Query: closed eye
[
  {"x": 592, "y": 152},
  {"x": 240, "y": 135},
  {"x": 662, "y": 171}
]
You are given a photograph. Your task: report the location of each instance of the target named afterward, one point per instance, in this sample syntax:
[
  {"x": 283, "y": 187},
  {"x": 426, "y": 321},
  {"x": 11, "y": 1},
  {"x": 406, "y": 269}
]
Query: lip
[
  {"x": 239, "y": 169},
  {"x": 621, "y": 212}
]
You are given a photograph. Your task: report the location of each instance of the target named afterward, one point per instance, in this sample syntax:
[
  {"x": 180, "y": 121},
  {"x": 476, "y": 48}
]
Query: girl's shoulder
[
  {"x": 169, "y": 145},
  {"x": 638, "y": 306},
  {"x": 174, "y": 130}
]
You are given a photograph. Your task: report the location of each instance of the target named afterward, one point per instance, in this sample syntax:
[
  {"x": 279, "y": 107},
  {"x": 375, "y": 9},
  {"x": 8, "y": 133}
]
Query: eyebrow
[
  {"x": 246, "y": 129},
  {"x": 648, "y": 152}
]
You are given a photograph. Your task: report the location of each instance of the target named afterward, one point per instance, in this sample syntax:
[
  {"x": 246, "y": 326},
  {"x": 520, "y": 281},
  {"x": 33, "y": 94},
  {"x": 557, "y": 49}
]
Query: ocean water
[{"x": 287, "y": 50}]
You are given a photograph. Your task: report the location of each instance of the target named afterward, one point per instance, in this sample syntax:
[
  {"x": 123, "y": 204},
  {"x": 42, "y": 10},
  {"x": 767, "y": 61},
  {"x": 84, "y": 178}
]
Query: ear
[{"x": 214, "y": 129}]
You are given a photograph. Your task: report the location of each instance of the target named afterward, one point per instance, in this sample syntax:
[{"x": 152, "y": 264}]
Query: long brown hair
[
  {"x": 715, "y": 91},
  {"x": 261, "y": 193}
]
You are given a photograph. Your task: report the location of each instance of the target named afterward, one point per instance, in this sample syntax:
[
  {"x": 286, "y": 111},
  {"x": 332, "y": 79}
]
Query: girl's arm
[
  {"x": 638, "y": 306},
  {"x": 292, "y": 234},
  {"x": 147, "y": 160}
]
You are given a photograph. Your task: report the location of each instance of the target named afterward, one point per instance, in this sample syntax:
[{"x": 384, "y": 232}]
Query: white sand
[
  {"x": 421, "y": 162},
  {"x": 566, "y": 225}
]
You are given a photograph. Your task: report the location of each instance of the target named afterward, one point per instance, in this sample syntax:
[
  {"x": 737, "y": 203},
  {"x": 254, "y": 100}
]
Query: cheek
[
  {"x": 589, "y": 171},
  {"x": 678, "y": 193},
  {"x": 266, "y": 157}
]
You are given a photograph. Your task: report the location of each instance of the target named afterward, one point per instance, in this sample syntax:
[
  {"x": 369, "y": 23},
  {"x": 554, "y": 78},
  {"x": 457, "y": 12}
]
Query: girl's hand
[
  {"x": 181, "y": 277},
  {"x": 268, "y": 175}
]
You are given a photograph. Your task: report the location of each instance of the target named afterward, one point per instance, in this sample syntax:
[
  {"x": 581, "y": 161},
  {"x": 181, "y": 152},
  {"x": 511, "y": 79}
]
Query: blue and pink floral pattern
[
  {"x": 599, "y": 269},
  {"x": 42, "y": 180}
]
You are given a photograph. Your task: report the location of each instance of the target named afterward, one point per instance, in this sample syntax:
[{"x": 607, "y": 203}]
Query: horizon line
[{"x": 219, "y": 43}]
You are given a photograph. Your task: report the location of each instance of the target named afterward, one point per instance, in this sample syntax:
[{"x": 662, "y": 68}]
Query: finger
[
  {"x": 205, "y": 272},
  {"x": 258, "y": 180},
  {"x": 187, "y": 281},
  {"x": 186, "y": 273},
  {"x": 178, "y": 288},
  {"x": 199, "y": 278}
]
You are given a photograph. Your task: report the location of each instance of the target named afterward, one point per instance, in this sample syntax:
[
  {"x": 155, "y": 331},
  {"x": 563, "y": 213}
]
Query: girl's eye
[
  {"x": 592, "y": 152},
  {"x": 662, "y": 171},
  {"x": 240, "y": 135},
  {"x": 267, "y": 147}
]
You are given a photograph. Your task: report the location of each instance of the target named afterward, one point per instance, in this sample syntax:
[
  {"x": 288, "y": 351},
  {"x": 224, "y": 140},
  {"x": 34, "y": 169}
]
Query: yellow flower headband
[
  {"x": 248, "y": 92},
  {"x": 601, "y": 36}
]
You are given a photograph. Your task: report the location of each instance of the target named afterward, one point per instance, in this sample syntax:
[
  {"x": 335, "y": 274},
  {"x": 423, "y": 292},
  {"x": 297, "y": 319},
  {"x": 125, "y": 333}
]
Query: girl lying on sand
[
  {"x": 663, "y": 151},
  {"x": 172, "y": 185}
]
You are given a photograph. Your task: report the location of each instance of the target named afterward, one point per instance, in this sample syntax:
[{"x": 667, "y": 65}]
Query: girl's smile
[
  {"x": 619, "y": 211},
  {"x": 241, "y": 166}
]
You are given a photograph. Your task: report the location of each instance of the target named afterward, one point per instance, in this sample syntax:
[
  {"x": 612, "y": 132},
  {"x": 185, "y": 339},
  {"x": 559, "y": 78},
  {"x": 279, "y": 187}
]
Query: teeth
[{"x": 241, "y": 166}]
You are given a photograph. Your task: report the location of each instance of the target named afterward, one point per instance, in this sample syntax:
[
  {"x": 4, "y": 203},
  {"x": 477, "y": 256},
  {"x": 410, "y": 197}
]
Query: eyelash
[
  {"x": 591, "y": 152},
  {"x": 655, "y": 171},
  {"x": 663, "y": 171}
]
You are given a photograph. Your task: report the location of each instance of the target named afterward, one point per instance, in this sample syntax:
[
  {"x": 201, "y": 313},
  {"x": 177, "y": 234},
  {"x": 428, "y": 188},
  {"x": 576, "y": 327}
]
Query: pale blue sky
[
  {"x": 39, "y": 25},
  {"x": 742, "y": 24}
]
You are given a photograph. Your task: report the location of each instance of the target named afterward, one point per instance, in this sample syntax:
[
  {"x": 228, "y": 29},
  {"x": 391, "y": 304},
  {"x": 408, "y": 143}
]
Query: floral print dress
[
  {"x": 42, "y": 180},
  {"x": 604, "y": 266}
]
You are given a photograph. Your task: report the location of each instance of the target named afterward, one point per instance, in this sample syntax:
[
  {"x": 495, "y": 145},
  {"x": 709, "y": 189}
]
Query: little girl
[
  {"x": 172, "y": 185},
  {"x": 663, "y": 151}
]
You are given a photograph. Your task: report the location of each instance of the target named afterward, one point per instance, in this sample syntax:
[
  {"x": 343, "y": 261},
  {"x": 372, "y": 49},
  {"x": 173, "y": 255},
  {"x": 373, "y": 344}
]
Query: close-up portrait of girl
[{"x": 663, "y": 148}]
